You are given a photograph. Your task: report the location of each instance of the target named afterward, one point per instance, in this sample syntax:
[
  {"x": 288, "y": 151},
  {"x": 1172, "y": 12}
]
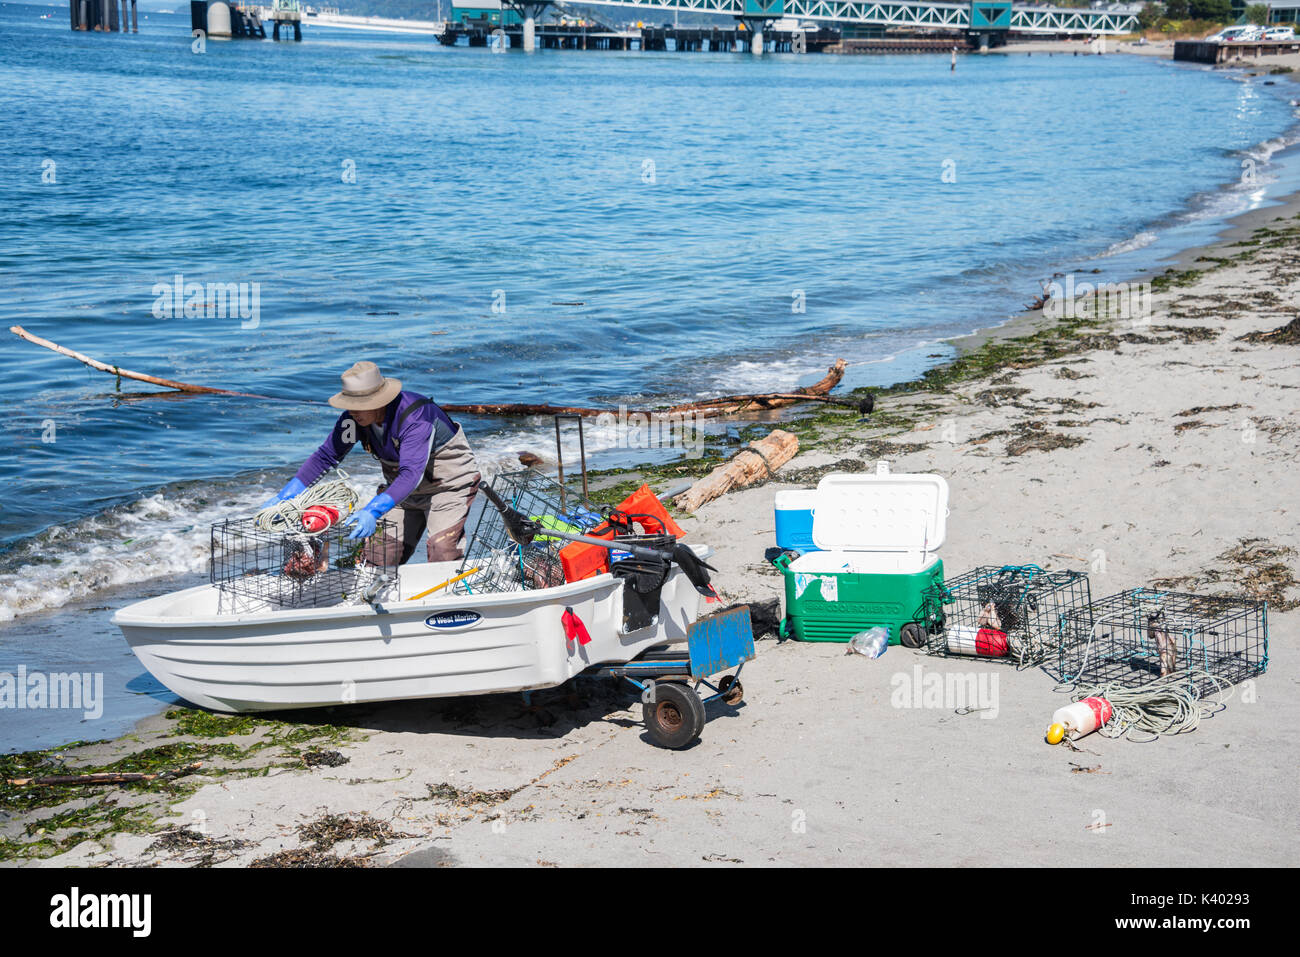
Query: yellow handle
[{"x": 449, "y": 581}]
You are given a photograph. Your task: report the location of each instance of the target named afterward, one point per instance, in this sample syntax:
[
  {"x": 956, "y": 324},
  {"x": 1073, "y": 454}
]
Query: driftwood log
[
  {"x": 721, "y": 406},
  {"x": 105, "y": 777},
  {"x": 757, "y": 461},
  {"x": 22, "y": 333}
]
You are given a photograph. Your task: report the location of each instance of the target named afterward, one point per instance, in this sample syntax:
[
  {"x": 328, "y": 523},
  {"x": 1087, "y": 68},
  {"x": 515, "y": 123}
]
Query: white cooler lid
[{"x": 861, "y": 512}]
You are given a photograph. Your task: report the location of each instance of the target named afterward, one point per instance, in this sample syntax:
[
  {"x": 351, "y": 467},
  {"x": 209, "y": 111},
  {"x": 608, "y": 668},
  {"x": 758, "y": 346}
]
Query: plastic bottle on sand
[{"x": 871, "y": 642}]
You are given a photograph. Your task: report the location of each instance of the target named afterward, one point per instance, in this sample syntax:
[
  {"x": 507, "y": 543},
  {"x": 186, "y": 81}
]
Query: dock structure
[
  {"x": 977, "y": 24},
  {"x": 102, "y": 16},
  {"x": 286, "y": 13},
  {"x": 216, "y": 18},
  {"x": 972, "y": 16},
  {"x": 561, "y": 36},
  {"x": 1201, "y": 51}
]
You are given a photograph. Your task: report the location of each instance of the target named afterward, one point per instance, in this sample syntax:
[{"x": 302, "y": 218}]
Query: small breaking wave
[
  {"x": 160, "y": 534},
  {"x": 1132, "y": 244}
]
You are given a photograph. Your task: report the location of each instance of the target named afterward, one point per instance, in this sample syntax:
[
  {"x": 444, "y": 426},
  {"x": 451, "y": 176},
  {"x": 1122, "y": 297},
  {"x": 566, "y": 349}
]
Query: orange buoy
[{"x": 319, "y": 517}]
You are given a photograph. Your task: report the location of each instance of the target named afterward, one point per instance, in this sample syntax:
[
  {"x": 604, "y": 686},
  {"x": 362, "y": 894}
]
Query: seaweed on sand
[
  {"x": 306, "y": 857},
  {"x": 1288, "y": 335},
  {"x": 330, "y": 829},
  {"x": 1256, "y": 568}
]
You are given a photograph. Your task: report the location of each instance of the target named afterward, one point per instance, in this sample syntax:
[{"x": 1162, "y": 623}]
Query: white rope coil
[
  {"x": 286, "y": 516},
  {"x": 1168, "y": 705}
]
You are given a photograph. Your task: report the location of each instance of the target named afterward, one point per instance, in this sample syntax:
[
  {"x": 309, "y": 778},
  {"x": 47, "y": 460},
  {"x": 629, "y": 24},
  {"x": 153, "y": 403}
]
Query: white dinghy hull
[{"x": 442, "y": 646}]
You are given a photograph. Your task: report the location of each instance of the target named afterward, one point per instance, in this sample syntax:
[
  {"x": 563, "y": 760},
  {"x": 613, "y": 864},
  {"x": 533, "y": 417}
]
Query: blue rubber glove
[
  {"x": 363, "y": 522},
  {"x": 289, "y": 491}
]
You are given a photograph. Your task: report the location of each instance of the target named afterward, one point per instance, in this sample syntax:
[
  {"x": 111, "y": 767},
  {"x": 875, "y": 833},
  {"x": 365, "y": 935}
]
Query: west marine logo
[{"x": 452, "y": 619}]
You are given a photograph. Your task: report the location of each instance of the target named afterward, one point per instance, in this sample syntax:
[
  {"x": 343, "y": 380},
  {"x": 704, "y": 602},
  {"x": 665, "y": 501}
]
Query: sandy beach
[
  {"x": 1157, "y": 450},
  {"x": 1281, "y": 63}
]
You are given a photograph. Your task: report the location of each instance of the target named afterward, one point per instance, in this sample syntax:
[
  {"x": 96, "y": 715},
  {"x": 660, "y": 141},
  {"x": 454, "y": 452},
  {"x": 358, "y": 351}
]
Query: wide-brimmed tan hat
[{"x": 364, "y": 388}]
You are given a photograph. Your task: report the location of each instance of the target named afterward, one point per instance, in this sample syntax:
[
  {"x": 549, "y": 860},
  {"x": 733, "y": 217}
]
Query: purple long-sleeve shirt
[{"x": 423, "y": 432}]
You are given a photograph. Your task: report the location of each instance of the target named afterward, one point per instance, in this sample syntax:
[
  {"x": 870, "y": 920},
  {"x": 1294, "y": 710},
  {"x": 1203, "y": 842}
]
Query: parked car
[
  {"x": 1239, "y": 34},
  {"x": 1279, "y": 33}
]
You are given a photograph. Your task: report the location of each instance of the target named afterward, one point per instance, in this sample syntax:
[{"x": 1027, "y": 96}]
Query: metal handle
[{"x": 559, "y": 454}]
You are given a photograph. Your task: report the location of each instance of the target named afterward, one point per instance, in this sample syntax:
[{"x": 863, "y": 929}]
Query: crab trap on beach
[
  {"x": 254, "y": 567},
  {"x": 502, "y": 564},
  {"x": 1137, "y": 636},
  {"x": 1011, "y": 612}
]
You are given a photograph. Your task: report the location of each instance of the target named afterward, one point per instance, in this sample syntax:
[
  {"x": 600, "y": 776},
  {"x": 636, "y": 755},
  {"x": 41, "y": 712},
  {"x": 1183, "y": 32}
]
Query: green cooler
[{"x": 879, "y": 537}]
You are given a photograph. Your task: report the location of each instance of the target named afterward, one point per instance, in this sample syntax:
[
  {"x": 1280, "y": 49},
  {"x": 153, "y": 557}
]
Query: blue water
[{"x": 684, "y": 200}]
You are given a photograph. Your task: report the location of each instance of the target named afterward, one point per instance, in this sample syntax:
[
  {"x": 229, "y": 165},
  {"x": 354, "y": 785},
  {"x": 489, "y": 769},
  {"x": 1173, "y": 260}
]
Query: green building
[{"x": 481, "y": 12}]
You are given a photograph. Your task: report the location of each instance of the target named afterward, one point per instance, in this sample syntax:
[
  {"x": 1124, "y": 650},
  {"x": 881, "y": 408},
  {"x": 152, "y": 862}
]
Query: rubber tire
[
  {"x": 675, "y": 718},
  {"x": 732, "y": 691},
  {"x": 911, "y": 635}
]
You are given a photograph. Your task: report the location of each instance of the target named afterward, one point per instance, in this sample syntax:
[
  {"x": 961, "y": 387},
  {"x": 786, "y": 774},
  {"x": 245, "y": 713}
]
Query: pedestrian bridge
[{"x": 977, "y": 16}]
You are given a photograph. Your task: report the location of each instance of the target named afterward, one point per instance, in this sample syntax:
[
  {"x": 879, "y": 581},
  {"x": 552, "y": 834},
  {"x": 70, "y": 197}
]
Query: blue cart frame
[{"x": 672, "y": 709}]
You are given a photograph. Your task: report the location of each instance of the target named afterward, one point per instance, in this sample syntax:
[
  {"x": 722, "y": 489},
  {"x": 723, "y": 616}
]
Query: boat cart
[{"x": 673, "y": 709}]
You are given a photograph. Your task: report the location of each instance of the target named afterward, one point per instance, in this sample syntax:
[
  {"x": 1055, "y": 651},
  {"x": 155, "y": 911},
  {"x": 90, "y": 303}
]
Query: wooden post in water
[{"x": 135, "y": 23}]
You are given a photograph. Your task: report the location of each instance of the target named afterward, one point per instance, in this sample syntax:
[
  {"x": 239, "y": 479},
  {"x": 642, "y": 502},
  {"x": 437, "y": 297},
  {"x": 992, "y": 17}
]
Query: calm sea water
[{"x": 567, "y": 227}]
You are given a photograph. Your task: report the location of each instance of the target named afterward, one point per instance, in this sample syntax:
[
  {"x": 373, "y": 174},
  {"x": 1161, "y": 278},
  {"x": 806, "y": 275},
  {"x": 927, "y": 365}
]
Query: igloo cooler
[
  {"x": 878, "y": 538},
  {"x": 794, "y": 519}
]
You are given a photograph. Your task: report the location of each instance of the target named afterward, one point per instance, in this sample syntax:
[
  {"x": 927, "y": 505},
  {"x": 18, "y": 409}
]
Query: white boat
[{"x": 253, "y": 656}]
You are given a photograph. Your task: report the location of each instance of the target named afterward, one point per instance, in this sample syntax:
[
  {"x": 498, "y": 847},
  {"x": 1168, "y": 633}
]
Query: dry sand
[{"x": 816, "y": 766}]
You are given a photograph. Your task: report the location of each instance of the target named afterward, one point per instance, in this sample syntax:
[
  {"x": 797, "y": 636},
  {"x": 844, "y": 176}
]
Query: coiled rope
[
  {"x": 286, "y": 516},
  {"x": 1168, "y": 705}
]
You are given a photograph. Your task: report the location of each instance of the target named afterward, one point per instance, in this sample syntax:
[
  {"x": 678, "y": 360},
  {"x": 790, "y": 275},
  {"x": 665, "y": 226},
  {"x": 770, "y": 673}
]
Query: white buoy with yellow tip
[{"x": 1076, "y": 720}]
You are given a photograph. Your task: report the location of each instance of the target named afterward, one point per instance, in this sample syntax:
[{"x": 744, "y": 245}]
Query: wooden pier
[
  {"x": 1200, "y": 51},
  {"x": 900, "y": 45}
]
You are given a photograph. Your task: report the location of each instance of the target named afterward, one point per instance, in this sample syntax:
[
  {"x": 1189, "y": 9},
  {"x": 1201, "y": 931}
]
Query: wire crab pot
[
  {"x": 1138, "y": 636},
  {"x": 1009, "y": 612},
  {"x": 254, "y": 567},
  {"x": 504, "y": 565}
]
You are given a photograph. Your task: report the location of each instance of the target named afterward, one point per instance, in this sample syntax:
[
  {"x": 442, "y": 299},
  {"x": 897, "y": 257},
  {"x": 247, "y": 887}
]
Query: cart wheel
[
  {"x": 911, "y": 635},
  {"x": 732, "y": 691},
  {"x": 675, "y": 717}
]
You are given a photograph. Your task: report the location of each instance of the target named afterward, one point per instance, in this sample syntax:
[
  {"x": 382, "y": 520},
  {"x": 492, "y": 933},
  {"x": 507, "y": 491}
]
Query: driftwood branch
[
  {"x": 126, "y": 373},
  {"x": 106, "y": 777},
  {"x": 759, "y": 460},
  {"x": 721, "y": 406}
]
